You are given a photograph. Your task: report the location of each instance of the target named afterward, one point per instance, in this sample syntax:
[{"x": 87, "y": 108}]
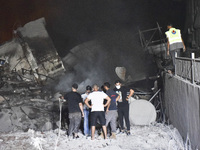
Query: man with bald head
[{"x": 97, "y": 108}]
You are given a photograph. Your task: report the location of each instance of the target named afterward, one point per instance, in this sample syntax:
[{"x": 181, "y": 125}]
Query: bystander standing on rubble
[
  {"x": 86, "y": 110},
  {"x": 75, "y": 108},
  {"x": 97, "y": 109},
  {"x": 111, "y": 110},
  {"x": 123, "y": 105}
]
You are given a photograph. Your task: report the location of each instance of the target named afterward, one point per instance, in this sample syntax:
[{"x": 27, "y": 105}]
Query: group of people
[
  {"x": 99, "y": 107},
  {"x": 91, "y": 106}
]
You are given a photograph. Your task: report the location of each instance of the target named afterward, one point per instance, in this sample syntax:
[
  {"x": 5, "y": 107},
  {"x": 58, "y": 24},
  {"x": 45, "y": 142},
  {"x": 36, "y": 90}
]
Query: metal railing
[{"x": 188, "y": 68}]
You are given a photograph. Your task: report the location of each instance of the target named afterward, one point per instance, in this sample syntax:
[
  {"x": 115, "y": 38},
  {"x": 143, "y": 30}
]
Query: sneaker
[
  {"x": 128, "y": 132},
  {"x": 70, "y": 138},
  {"x": 76, "y": 137},
  {"x": 86, "y": 135},
  {"x": 121, "y": 132},
  {"x": 113, "y": 136}
]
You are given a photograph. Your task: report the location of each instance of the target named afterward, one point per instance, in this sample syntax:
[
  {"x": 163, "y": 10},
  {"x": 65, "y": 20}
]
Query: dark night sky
[{"x": 71, "y": 22}]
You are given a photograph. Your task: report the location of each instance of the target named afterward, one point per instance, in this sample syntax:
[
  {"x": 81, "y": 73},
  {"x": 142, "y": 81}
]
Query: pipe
[{"x": 154, "y": 95}]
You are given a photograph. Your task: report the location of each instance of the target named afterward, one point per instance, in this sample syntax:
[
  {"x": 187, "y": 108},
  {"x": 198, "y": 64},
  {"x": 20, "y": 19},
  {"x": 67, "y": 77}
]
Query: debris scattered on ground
[{"x": 153, "y": 137}]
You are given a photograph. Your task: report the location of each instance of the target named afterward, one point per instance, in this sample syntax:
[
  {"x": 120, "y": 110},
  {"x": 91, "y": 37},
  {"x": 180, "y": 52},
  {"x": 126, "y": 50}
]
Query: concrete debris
[
  {"x": 152, "y": 137},
  {"x": 27, "y": 64},
  {"x": 1, "y": 99},
  {"x": 37, "y": 100}
]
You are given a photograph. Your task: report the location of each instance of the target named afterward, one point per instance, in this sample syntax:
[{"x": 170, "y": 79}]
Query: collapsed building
[{"x": 28, "y": 63}]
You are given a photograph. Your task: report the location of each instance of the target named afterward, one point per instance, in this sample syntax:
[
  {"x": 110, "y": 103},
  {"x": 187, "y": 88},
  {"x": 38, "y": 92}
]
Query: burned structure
[{"x": 28, "y": 62}]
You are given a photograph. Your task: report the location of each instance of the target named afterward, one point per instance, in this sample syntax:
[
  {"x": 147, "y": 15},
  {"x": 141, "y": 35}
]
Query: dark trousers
[
  {"x": 74, "y": 122},
  {"x": 172, "y": 53},
  {"x": 123, "y": 113}
]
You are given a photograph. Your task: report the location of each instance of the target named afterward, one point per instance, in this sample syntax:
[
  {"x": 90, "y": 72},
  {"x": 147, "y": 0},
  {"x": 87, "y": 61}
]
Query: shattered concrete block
[
  {"x": 47, "y": 126},
  {"x": 32, "y": 53},
  {"x": 34, "y": 28},
  {"x": 6, "y": 124},
  {"x": 1, "y": 99},
  {"x": 27, "y": 63},
  {"x": 31, "y": 113}
]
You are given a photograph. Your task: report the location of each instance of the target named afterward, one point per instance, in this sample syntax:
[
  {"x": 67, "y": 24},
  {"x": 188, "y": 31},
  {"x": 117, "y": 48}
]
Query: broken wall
[
  {"x": 32, "y": 50},
  {"x": 183, "y": 107},
  {"x": 30, "y": 60}
]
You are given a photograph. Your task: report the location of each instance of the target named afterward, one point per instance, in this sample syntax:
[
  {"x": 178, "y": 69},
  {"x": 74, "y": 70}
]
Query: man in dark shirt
[
  {"x": 75, "y": 109},
  {"x": 111, "y": 110},
  {"x": 123, "y": 105}
]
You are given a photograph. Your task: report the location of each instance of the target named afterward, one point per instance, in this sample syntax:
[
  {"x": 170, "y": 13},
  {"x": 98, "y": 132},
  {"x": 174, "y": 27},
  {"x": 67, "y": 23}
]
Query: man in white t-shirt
[{"x": 97, "y": 109}]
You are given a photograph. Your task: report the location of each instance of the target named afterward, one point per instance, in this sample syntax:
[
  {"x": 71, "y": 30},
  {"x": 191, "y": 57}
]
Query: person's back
[
  {"x": 75, "y": 109},
  {"x": 113, "y": 95},
  {"x": 174, "y": 44},
  {"x": 111, "y": 110},
  {"x": 97, "y": 99},
  {"x": 174, "y": 39},
  {"x": 73, "y": 99},
  {"x": 97, "y": 106}
]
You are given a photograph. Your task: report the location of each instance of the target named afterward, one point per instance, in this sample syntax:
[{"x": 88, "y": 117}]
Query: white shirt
[{"x": 97, "y": 99}]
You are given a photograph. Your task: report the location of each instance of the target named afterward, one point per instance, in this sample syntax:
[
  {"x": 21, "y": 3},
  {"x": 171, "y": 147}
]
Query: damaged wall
[
  {"x": 31, "y": 61},
  {"x": 32, "y": 50},
  {"x": 183, "y": 107}
]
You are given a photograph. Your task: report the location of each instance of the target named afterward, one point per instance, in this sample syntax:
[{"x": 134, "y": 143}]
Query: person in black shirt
[
  {"x": 123, "y": 105},
  {"x": 111, "y": 110},
  {"x": 75, "y": 109}
]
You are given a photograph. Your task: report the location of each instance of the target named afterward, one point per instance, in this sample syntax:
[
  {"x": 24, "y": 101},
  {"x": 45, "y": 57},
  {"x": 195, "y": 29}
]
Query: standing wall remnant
[{"x": 183, "y": 107}]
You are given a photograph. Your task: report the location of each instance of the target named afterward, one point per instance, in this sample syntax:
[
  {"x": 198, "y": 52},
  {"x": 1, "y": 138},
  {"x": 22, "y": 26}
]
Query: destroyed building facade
[{"x": 27, "y": 63}]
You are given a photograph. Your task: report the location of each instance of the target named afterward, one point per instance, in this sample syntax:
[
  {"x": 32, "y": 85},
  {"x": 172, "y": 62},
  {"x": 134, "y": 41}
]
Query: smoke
[
  {"x": 94, "y": 62},
  {"x": 91, "y": 66},
  {"x": 92, "y": 77},
  {"x": 114, "y": 24}
]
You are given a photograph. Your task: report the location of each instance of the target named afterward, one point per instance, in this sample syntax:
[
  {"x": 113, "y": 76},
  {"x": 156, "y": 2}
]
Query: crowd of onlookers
[{"x": 99, "y": 106}]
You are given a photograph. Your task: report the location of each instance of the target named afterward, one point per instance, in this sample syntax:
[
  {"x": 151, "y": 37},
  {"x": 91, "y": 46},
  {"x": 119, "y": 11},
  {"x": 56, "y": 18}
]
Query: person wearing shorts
[{"x": 97, "y": 109}]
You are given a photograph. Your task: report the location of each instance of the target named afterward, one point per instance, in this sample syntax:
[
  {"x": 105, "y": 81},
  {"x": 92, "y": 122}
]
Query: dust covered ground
[{"x": 153, "y": 137}]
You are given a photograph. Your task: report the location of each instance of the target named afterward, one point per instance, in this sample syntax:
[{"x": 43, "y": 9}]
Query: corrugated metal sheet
[{"x": 184, "y": 69}]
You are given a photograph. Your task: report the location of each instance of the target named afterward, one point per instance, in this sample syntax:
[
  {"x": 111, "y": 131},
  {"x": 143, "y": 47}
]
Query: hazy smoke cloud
[
  {"x": 95, "y": 61},
  {"x": 90, "y": 67},
  {"x": 114, "y": 24}
]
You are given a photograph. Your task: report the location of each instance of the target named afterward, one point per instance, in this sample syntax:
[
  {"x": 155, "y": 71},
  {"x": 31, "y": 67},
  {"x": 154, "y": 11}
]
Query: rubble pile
[
  {"x": 25, "y": 105},
  {"x": 22, "y": 113},
  {"x": 152, "y": 137},
  {"x": 27, "y": 64}
]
